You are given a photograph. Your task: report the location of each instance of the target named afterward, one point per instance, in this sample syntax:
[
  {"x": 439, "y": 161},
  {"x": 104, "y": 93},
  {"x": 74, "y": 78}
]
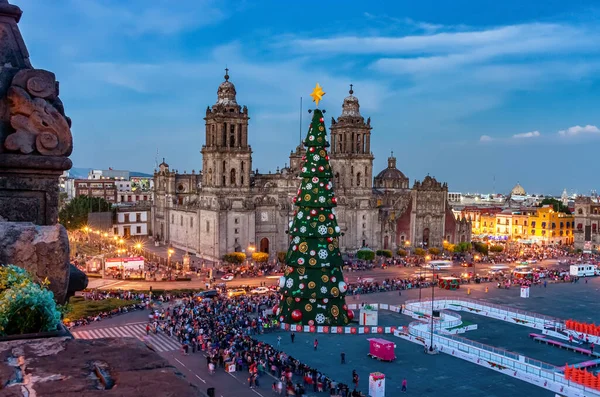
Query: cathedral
[{"x": 228, "y": 206}]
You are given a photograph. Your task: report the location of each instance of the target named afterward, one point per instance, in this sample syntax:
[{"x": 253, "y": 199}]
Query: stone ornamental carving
[{"x": 37, "y": 115}]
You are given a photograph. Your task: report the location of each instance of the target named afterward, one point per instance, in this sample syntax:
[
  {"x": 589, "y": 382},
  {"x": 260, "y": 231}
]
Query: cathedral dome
[
  {"x": 518, "y": 191},
  {"x": 226, "y": 92},
  {"x": 391, "y": 177}
]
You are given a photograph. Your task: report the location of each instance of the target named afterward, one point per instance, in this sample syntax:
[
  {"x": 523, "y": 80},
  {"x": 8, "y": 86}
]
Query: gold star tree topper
[{"x": 317, "y": 94}]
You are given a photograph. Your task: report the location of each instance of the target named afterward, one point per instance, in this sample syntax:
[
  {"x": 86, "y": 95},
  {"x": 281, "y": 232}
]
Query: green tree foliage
[
  {"x": 385, "y": 253},
  {"x": 462, "y": 247},
  {"x": 236, "y": 258},
  {"x": 496, "y": 248},
  {"x": 557, "y": 205},
  {"x": 401, "y": 252},
  {"x": 260, "y": 257},
  {"x": 482, "y": 248},
  {"x": 434, "y": 251},
  {"x": 313, "y": 288},
  {"x": 74, "y": 215},
  {"x": 365, "y": 255},
  {"x": 420, "y": 252}
]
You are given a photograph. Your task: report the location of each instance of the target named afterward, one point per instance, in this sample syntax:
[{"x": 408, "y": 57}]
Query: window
[
  {"x": 594, "y": 227},
  {"x": 138, "y": 217},
  {"x": 191, "y": 222},
  {"x": 524, "y": 223},
  {"x": 236, "y": 220},
  {"x": 237, "y": 240},
  {"x": 232, "y": 136},
  {"x": 172, "y": 218},
  {"x": 364, "y": 217},
  {"x": 364, "y": 225},
  {"x": 236, "y": 231},
  {"x": 224, "y": 135},
  {"x": 129, "y": 199},
  {"x": 579, "y": 226},
  {"x": 138, "y": 229},
  {"x": 207, "y": 226},
  {"x": 126, "y": 218},
  {"x": 580, "y": 211},
  {"x": 516, "y": 222},
  {"x": 533, "y": 231},
  {"x": 181, "y": 220},
  {"x": 115, "y": 231},
  {"x": 232, "y": 177},
  {"x": 561, "y": 225},
  {"x": 532, "y": 223},
  {"x": 553, "y": 225},
  {"x": 122, "y": 198},
  {"x": 358, "y": 176}
]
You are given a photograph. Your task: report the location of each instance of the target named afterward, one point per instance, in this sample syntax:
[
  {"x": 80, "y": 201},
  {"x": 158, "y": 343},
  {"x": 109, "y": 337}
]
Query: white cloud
[
  {"x": 485, "y": 138},
  {"x": 531, "y": 134},
  {"x": 579, "y": 130}
]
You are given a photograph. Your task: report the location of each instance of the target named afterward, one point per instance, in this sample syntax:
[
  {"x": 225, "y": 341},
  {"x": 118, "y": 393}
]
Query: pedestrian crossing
[{"x": 159, "y": 342}]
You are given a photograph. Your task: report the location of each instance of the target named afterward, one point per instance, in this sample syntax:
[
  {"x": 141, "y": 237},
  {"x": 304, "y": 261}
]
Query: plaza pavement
[{"x": 444, "y": 375}]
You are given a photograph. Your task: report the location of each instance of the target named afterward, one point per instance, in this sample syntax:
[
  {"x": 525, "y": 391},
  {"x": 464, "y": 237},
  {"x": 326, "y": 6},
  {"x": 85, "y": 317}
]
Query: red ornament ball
[
  {"x": 311, "y": 322},
  {"x": 330, "y": 239},
  {"x": 311, "y": 149},
  {"x": 345, "y": 307},
  {"x": 296, "y": 315},
  {"x": 275, "y": 308},
  {"x": 321, "y": 120},
  {"x": 349, "y": 312},
  {"x": 281, "y": 319},
  {"x": 321, "y": 168},
  {"x": 327, "y": 158},
  {"x": 331, "y": 216},
  {"x": 297, "y": 299},
  {"x": 334, "y": 200}
]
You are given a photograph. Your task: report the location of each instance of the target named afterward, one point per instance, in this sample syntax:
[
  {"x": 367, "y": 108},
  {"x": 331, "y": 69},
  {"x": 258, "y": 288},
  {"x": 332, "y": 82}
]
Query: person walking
[
  {"x": 292, "y": 337},
  {"x": 403, "y": 390},
  {"x": 316, "y": 344},
  {"x": 355, "y": 378},
  {"x": 592, "y": 348},
  {"x": 278, "y": 342},
  {"x": 343, "y": 357}
]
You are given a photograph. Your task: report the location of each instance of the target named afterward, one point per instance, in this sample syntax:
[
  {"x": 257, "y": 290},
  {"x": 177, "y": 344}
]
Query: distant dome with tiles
[
  {"x": 226, "y": 92},
  {"x": 518, "y": 191},
  {"x": 391, "y": 177}
]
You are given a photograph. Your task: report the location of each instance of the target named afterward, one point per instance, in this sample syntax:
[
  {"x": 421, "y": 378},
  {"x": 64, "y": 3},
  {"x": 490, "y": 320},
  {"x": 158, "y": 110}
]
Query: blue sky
[{"x": 469, "y": 92}]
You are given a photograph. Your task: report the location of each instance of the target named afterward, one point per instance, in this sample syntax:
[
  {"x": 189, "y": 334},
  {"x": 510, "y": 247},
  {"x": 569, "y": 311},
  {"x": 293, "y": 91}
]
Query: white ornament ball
[{"x": 343, "y": 286}]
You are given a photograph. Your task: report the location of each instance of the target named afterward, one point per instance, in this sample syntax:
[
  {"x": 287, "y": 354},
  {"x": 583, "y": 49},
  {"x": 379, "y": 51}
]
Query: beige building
[
  {"x": 587, "y": 223},
  {"x": 229, "y": 207}
]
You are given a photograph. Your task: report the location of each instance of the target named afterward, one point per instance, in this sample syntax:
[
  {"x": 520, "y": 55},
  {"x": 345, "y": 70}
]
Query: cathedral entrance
[
  {"x": 264, "y": 245},
  {"x": 386, "y": 242},
  {"x": 426, "y": 238}
]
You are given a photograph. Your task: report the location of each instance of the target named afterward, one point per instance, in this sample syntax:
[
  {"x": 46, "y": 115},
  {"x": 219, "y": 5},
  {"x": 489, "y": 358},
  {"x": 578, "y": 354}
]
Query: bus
[{"x": 439, "y": 265}]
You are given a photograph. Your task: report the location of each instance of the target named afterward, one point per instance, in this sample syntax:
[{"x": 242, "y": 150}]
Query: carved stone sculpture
[{"x": 37, "y": 116}]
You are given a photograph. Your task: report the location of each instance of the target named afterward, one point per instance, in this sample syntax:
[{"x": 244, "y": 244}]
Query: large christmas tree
[{"x": 313, "y": 288}]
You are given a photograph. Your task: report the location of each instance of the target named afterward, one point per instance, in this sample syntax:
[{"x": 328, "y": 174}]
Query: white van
[{"x": 584, "y": 269}]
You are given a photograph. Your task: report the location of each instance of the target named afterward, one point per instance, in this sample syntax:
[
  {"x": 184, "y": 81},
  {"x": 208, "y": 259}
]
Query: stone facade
[
  {"x": 228, "y": 207},
  {"x": 587, "y": 223}
]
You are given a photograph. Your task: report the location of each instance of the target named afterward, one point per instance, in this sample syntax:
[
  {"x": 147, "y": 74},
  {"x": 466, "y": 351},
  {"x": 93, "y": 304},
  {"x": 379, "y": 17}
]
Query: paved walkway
[{"x": 159, "y": 342}]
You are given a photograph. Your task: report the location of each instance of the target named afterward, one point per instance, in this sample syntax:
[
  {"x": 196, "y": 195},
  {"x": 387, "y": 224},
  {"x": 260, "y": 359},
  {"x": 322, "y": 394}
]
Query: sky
[{"x": 481, "y": 95}]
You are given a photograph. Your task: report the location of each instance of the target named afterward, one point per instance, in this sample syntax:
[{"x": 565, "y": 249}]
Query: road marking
[
  {"x": 160, "y": 342},
  {"x": 198, "y": 377},
  {"x": 111, "y": 284},
  {"x": 181, "y": 363},
  {"x": 139, "y": 322}
]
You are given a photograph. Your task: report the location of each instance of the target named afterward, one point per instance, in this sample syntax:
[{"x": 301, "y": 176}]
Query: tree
[
  {"x": 313, "y": 288},
  {"x": 482, "y": 248},
  {"x": 236, "y": 258},
  {"x": 74, "y": 215},
  {"x": 557, "y": 205},
  {"x": 420, "y": 252},
  {"x": 448, "y": 247},
  {"x": 401, "y": 252},
  {"x": 496, "y": 248},
  {"x": 385, "y": 253},
  {"x": 434, "y": 251},
  {"x": 260, "y": 257},
  {"x": 462, "y": 247},
  {"x": 365, "y": 254}
]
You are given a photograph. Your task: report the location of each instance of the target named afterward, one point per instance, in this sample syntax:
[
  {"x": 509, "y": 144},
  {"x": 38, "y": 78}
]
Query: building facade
[
  {"x": 132, "y": 220},
  {"x": 228, "y": 207},
  {"x": 587, "y": 223},
  {"x": 105, "y": 189}
]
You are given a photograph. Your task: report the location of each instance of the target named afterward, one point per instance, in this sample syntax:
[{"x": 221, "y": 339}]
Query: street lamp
[
  {"x": 170, "y": 252},
  {"x": 432, "y": 296}
]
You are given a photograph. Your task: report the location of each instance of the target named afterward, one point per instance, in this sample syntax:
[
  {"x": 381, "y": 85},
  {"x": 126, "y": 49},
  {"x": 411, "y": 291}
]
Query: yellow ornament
[
  {"x": 321, "y": 218},
  {"x": 301, "y": 271},
  {"x": 335, "y": 311},
  {"x": 335, "y": 292},
  {"x": 308, "y": 307},
  {"x": 317, "y": 94},
  {"x": 324, "y": 278},
  {"x": 312, "y": 261},
  {"x": 311, "y": 285},
  {"x": 303, "y": 247}
]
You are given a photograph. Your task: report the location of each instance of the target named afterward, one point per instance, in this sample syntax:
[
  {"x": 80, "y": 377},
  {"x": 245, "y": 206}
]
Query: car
[
  {"x": 228, "y": 277},
  {"x": 260, "y": 290},
  {"x": 236, "y": 292},
  {"x": 466, "y": 264},
  {"x": 211, "y": 293}
]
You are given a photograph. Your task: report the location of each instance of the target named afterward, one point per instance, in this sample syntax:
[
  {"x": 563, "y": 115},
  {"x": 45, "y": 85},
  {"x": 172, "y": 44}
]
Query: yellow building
[{"x": 547, "y": 226}]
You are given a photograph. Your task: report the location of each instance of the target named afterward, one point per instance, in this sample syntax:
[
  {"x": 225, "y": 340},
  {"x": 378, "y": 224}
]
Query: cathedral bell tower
[
  {"x": 226, "y": 155},
  {"x": 351, "y": 157}
]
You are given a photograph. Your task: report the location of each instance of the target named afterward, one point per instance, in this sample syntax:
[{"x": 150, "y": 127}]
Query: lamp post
[
  {"x": 432, "y": 296},
  {"x": 421, "y": 269},
  {"x": 170, "y": 252}
]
